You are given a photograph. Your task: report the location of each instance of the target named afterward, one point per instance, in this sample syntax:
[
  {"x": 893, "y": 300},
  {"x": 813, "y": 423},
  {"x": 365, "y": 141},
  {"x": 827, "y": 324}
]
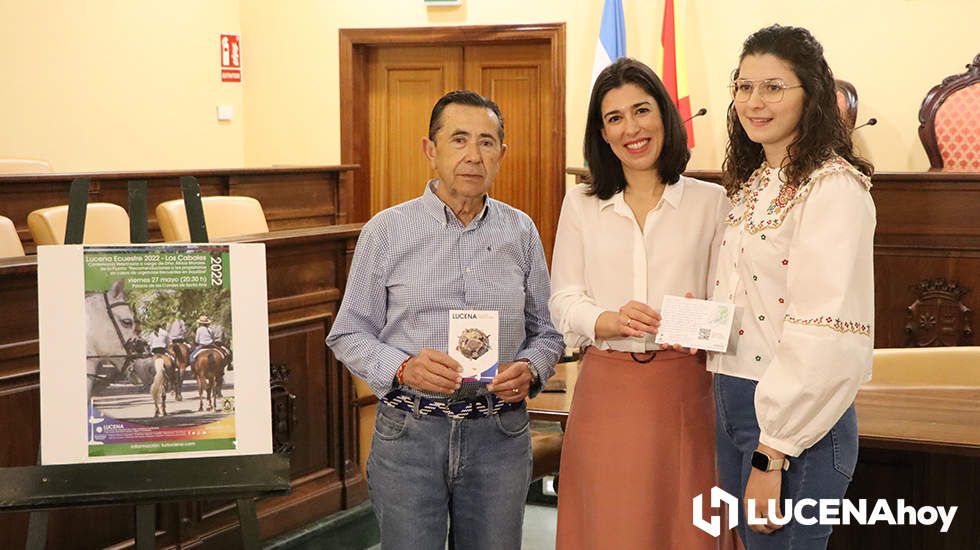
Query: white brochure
[
  {"x": 700, "y": 324},
  {"x": 473, "y": 337}
]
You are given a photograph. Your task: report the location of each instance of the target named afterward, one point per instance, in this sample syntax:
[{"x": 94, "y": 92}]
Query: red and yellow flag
[{"x": 674, "y": 67}]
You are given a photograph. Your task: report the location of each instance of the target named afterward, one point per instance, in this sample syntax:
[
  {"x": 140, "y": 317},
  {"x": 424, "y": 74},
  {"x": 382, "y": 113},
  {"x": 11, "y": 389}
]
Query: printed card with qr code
[
  {"x": 473, "y": 341},
  {"x": 701, "y": 324}
]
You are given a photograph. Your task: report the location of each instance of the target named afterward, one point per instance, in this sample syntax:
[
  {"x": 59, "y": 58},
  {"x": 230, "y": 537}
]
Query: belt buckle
[{"x": 463, "y": 396}]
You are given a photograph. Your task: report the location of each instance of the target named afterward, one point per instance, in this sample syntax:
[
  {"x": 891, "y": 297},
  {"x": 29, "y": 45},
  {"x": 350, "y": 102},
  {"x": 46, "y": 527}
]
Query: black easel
[{"x": 142, "y": 483}]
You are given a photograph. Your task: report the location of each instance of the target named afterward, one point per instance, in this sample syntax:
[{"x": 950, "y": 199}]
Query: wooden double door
[{"x": 403, "y": 83}]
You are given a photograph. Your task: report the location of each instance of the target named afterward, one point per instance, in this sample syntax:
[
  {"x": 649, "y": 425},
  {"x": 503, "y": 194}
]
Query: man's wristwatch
[
  {"x": 535, "y": 377},
  {"x": 766, "y": 463}
]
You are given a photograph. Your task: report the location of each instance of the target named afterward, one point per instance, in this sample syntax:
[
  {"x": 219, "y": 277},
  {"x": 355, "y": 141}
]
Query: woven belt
[{"x": 458, "y": 410}]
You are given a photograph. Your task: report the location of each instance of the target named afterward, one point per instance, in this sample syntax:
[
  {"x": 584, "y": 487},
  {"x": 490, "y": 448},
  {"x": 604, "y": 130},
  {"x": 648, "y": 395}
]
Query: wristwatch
[
  {"x": 535, "y": 377},
  {"x": 766, "y": 463}
]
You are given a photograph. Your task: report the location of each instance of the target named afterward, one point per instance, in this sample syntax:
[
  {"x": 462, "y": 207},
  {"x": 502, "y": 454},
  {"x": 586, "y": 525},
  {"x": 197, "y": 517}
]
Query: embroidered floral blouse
[{"x": 797, "y": 263}]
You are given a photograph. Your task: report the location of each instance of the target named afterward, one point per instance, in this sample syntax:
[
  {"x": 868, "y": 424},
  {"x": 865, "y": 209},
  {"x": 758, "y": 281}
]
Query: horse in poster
[
  {"x": 110, "y": 336},
  {"x": 209, "y": 369}
]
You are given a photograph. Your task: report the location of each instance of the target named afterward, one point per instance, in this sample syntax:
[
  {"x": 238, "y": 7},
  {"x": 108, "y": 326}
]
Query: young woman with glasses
[
  {"x": 639, "y": 444},
  {"x": 796, "y": 258}
]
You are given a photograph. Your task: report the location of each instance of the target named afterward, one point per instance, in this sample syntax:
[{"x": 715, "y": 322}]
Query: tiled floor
[
  {"x": 356, "y": 529},
  {"x": 539, "y": 528}
]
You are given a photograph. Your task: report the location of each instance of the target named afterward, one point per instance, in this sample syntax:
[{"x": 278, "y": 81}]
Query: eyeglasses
[{"x": 771, "y": 90}]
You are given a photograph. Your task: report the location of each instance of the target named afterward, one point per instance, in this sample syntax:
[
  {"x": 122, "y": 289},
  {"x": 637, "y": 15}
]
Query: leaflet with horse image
[
  {"x": 153, "y": 351},
  {"x": 473, "y": 337}
]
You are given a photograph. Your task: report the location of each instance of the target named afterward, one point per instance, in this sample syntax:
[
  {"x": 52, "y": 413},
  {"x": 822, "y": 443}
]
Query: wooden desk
[
  {"x": 936, "y": 419},
  {"x": 554, "y": 406},
  {"x": 933, "y": 419}
]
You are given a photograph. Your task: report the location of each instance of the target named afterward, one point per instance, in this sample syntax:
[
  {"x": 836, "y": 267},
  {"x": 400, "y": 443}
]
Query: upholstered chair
[
  {"x": 105, "y": 223},
  {"x": 9, "y": 240},
  {"x": 950, "y": 122},
  {"x": 847, "y": 101},
  {"x": 224, "y": 216}
]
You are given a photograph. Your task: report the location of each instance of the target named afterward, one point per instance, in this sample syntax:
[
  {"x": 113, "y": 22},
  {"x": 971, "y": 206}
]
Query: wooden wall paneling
[
  {"x": 307, "y": 200},
  {"x": 355, "y": 477},
  {"x": 293, "y": 197},
  {"x": 960, "y": 477},
  {"x": 918, "y": 479},
  {"x": 888, "y": 474},
  {"x": 931, "y": 212},
  {"x": 306, "y": 270},
  {"x": 898, "y": 270},
  {"x": 18, "y": 327},
  {"x": 927, "y": 228}
]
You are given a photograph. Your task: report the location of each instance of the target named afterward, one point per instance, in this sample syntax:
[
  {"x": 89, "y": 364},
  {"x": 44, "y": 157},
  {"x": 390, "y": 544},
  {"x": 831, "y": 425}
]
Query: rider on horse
[
  {"x": 159, "y": 340},
  {"x": 208, "y": 337},
  {"x": 178, "y": 330}
]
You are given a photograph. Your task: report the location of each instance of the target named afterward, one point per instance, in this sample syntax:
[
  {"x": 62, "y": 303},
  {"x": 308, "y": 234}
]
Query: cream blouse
[
  {"x": 602, "y": 259},
  {"x": 798, "y": 264}
]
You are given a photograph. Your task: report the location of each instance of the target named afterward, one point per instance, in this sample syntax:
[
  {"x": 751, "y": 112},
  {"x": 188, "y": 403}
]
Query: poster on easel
[{"x": 153, "y": 352}]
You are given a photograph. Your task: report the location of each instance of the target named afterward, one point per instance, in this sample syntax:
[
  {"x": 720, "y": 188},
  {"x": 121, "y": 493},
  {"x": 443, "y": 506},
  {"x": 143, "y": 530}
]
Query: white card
[
  {"x": 473, "y": 341},
  {"x": 701, "y": 324}
]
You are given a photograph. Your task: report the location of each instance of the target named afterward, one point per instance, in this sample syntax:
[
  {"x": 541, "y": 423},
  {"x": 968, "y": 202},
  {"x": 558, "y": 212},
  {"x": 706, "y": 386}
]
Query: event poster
[{"x": 167, "y": 359}]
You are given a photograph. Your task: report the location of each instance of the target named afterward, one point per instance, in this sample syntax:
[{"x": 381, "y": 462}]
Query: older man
[{"x": 444, "y": 447}]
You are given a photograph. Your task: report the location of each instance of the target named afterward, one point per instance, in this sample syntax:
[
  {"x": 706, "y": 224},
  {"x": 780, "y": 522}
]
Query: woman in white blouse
[
  {"x": 796, "y": 258},
  {"x": 639, "y": 444}
]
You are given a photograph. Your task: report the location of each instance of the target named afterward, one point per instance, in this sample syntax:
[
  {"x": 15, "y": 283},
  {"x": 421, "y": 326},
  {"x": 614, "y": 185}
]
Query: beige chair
[
  {"x": 224, "y": 216},
  {"x": 546, "y": 450},
  {"x": 105, "y": 223},
  {"x": 936, "y": 366},
  {"x": 24, "y": 166},
  {"x": 9, "y": 240}
]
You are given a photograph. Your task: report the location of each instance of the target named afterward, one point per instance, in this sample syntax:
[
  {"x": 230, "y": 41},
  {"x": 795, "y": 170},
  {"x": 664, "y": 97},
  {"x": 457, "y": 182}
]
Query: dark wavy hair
[
  {"x": 822, "y": 131},
  {"x": 605, "y": 167},
  {"x": 462, "y": 97}
]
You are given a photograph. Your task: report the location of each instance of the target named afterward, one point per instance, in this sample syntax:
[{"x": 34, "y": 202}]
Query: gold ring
[
  {"x": 515, "y": 390},
  {"x": 629, "y": 322}
]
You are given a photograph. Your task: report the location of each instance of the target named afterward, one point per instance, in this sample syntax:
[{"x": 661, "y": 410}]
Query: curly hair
[
  {"x": 604, "y": 166},
  {"x": 822, "y": 132}
]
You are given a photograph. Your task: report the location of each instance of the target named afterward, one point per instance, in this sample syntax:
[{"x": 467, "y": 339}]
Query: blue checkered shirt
[{"x": 416, "y": 261}]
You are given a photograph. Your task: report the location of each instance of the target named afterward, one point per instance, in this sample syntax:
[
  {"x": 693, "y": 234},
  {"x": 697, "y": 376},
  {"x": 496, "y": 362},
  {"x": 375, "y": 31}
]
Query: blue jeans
[
  {"x": 822, "y": 471},
  {"x": 425, "y": 472}
]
